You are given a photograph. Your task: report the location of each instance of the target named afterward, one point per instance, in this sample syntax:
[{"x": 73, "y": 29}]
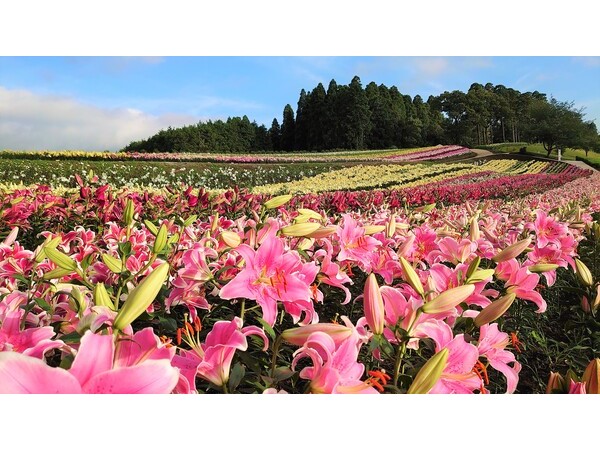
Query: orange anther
[{"x": 516, "y": 343}]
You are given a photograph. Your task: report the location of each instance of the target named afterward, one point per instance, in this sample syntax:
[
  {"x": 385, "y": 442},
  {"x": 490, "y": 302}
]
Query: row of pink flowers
[{"x": 437, "y": 153}]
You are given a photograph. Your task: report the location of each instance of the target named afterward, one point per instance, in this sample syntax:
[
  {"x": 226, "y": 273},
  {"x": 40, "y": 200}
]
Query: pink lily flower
[
  {"x": 492, "y": 344},
  {"x": 458, "y": 377},
  {"x": 331, "y": 274},
  {"x": 139, "y": 365},
  {"x": 452, "y": 251},
  {"x": 212, "y": 360},
  {"x": 335, "y": 369},
  {"x": 521, "y": 282},
  {"x": 547, "y": 229},
  {"x": 273, "y": 275},
  {"x": 354, "y": 244},
  {"x": 33, "y": 342}
]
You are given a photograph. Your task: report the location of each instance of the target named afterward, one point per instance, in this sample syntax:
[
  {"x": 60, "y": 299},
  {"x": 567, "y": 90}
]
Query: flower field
[{"x": 376, "y": 279}]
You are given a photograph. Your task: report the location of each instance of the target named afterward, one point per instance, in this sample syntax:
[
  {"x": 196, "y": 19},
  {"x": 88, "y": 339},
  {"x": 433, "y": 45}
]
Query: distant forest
[{"x": 377, "y": 117}]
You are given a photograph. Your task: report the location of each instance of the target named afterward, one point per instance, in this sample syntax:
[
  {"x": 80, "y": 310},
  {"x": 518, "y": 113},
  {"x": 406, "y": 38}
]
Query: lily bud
[
  {"x": 60, "y": 259},
  {"x": 305, "y": 243},
  {"x": 596, "y": 303},
  {"x": 473, "y": 266},
  {"x": 585, "y": 304},
  {"x": 391, "y": 226},
  {"x": 57, "y": 273},
  {"x": 128, "y": 212},
  {"x": 12, "y": 236},
  {"x": 310, "y": 213},
  {"x": 141, "y": 296},
  {"x": 512, "y": 251},
  {"x": 540, "y": 268},
  {"x": 278, "y": 201},
  {"x": 101, "y": 297},
  {"x": 411, "y": 276},
  {"x": 299, "y": 335},
  {"x": 556, "y": 382},
  {"x": 474, "y": 233},
  {"x": 231, "y": 239},
  {"x": 591, "y": 377},
  {"x": 114, "y": 265},
  {"x": 480, "y": 275},
  {"x": 373, "y": 305},
  {"x": 48, "y": 243},
  {"x": 583, "y": 273},
  {"x": 494, "y": 310},
  {"x": 322, "y": 232},
  {"x": 300, "y": 229},
  {"x": 372, "y": 229},
  {"x": 161, "y": 239},
  {"x": 151, "y": 227},
  {"x": 426, "y": 208},
  {"x": 429, "y": 374},
  {"x": 449, "y": 299}
]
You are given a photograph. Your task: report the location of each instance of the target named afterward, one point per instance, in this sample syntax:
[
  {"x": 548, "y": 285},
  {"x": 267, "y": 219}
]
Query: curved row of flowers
[
  {"x": 437, "y": 152},
  {"x": 287, "y": 299},
  {"x": 402, "y": 176}
]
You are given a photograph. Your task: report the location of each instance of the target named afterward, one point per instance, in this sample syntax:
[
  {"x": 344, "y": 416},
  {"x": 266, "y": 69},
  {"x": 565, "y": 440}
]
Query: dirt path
[
  {"x": 581, "y": 165},
  {"x": 479, "y": 152}
]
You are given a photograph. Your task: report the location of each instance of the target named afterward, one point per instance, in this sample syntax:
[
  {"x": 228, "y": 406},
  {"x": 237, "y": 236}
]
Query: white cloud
[
  {"x": 431, "y": 67},
  {"x": 589, "y": 61},
  {"x": 34, "y": 121}
]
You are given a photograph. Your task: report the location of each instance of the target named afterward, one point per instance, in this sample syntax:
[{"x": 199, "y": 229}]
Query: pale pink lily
[
  {"x": 521, "y": 282},
  {"x": 452, "y": 251},
  {"x": 458, "y": 376},
  {"x": 33, "y": 342},
  {"x": 330, "y": 272},
  {"x": 273, "y": 275},
  {"x": 354, "y": 244},
  {"x": 212, "y": 360},
  {"x": 334, "y": 369},
  {"x": 136, "y": 365},
  {"x": 492, "y": 344}
]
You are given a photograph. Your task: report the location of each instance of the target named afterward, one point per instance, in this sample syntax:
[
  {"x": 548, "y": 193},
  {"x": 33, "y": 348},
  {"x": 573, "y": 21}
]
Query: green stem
[
  {"x": 398, "y": 363},
  {"x": 276, "y": 345},
  {"x": 243, "y": 309}
]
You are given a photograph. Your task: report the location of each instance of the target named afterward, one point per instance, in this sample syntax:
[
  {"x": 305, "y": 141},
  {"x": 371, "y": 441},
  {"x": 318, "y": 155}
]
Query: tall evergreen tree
[
  {"x": 275, "y": 135},
  {"x": 301, "y": 129},
  {"x": 288, "y": 129}
]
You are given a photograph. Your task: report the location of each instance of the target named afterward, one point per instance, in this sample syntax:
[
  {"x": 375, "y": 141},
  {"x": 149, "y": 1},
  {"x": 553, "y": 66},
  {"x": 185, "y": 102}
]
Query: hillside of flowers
[
  {"x": 415, "y": 154},
  {"x": 454, "y": 285}
]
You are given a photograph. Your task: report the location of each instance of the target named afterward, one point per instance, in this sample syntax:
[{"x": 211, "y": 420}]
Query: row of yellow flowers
[{"x": 395, "y": 176}]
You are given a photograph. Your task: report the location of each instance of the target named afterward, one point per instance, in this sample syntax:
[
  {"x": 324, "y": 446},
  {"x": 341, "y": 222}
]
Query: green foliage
[{"x": 350, "y": 117}]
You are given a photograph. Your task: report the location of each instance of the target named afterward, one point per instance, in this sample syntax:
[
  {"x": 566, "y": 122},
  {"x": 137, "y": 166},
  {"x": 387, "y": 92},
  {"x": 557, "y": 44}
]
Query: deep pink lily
[
  {"x": 274, "y": 275},
  {"x": 492, "y": 344},
  {"x": 335, "y": 369},
  {"x": 140, "y": 366},
  {"x": 212, "y": 360}
]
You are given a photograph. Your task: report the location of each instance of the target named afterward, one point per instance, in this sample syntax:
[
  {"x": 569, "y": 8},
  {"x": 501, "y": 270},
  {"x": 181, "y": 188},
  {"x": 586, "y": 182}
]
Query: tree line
[{"x": 377, "y": 117}]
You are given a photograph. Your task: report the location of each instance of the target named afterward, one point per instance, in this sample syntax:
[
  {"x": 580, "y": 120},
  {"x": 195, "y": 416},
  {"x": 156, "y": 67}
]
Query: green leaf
[
  {"x": 43, "y": 304},
  {"x": 236, "y": 376},
  {"x": 268, "y": 329},
  {"x": 168, "y": 324},
  {"x": 283, "y": 373}
]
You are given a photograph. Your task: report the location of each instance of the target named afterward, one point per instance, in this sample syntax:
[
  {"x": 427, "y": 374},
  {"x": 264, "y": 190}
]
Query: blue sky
[{"x": 99, "y": 103}]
